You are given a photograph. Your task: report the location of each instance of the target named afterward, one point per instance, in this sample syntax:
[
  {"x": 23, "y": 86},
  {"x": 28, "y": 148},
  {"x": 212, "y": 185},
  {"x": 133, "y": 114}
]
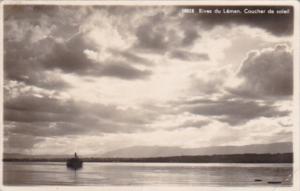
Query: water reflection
[{"x": 124, "y": 174}]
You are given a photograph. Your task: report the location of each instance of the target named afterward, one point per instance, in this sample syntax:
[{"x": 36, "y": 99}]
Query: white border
[{"x": 296, "y": 97}]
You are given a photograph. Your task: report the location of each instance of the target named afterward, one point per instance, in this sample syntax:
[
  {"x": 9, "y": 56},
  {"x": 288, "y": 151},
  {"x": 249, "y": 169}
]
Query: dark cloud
[
  {"x": 70, "y": 58},
  {"x": 233, "y": 112},
  {"x": 25, "y": 46},
  {"x": 49, "y": 109},
  {"x": 29, "y": 103},
  {"x": 155, "y": 36},
  {"x": 132, "y": 58},
  {"x": 277, "y": 24},
  {"x": 34, "y": 59},
  {"x": 43, "y": 129},
  {"x": 123, "y": 71},
  {"x": 31, "y": 67},
  {"x": 190, "y": 36},
  {"x": 267, "y": 73},
  {"x": 22, "y": 64},
  {"x": 35, "y": 116},
  {"x": 44, "y": 117},
  {"x": 60, "y": 129},
  {"x": 20, "y": 142},
  {"x": 188, "y": 56},
  {"x": 152, "y": 39}
]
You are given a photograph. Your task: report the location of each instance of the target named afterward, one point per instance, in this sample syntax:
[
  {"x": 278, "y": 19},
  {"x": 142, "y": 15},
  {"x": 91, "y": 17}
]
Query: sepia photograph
[{"x": 176, "y": 94}]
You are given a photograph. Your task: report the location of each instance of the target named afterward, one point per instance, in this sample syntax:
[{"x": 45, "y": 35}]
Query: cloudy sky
[{"x": 95, "y": 79}]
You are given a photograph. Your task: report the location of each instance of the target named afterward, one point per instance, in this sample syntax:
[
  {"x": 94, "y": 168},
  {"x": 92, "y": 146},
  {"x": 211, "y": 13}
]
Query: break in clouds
[{"x": 95, "y": 79}]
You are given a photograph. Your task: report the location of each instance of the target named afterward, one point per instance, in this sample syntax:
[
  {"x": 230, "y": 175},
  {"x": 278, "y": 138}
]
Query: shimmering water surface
[{"x": 152, "y": 174}]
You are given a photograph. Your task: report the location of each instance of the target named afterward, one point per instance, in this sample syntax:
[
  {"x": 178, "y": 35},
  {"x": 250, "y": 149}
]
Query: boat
[
  {"x": 257, "y": 180},
  {"x": 74, "y": 163}
]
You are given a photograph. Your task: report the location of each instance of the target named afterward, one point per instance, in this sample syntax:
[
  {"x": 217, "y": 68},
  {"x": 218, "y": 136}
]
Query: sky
[{"x": 93, "y": 79}]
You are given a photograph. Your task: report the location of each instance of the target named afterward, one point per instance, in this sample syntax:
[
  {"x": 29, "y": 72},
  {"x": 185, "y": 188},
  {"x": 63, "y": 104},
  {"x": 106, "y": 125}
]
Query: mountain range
[{"x": 159, "y": 151}]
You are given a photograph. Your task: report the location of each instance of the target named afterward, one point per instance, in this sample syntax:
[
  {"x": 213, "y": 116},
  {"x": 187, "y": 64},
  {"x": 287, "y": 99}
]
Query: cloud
[
  {"x": 43, "y": 129},
  {"x": 25, "y": 44},
  {"x": 35, "y": 119},
  {"x": 276, "y": 24},
  {"x": 18, "y": 143},
  {"x": 32, "y": 105},
  {"x": 132, "y": 58},
  {"x": 188, "y": 56},
  {"x": 69, "y": 56},
  {"x": 151, "y": 35},
  {"x": 33, "y": 116},
  {"x": 41, "y": 46},
  {"x": 233, "y": 112},
  {"x": 107, "y": 75},
  {"x": 164, "y": 31},
  {"x": 190, "y": 36},
  {"x": 45, "y": 116},
  {"x": 208, "y": 83},
  {"x": 59, "y": 19},
  {"x": 266, "y": 73},
  {"x": 123, "y": 71},
  {"x": 66, "y": 57},
  {"x": 152, "y": 39}
]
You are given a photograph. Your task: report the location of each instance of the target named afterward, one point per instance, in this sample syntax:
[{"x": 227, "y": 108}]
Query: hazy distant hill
[
  {"x": 18, "y": 156},
  {"x": 156, "y": 151}
]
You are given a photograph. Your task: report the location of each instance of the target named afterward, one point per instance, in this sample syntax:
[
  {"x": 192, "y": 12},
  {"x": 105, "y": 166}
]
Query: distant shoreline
[{"x": 232, "y": 158}]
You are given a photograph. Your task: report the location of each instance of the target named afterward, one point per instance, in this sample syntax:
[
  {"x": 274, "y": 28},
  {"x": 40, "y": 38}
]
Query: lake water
[{"x": 148, "y": 174}]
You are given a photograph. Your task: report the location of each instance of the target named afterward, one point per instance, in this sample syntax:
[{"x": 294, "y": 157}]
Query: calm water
[{"x": 151, "y": 174}]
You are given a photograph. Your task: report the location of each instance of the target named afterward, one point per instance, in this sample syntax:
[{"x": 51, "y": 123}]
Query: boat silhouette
[{"x": 74, "y": 163}]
